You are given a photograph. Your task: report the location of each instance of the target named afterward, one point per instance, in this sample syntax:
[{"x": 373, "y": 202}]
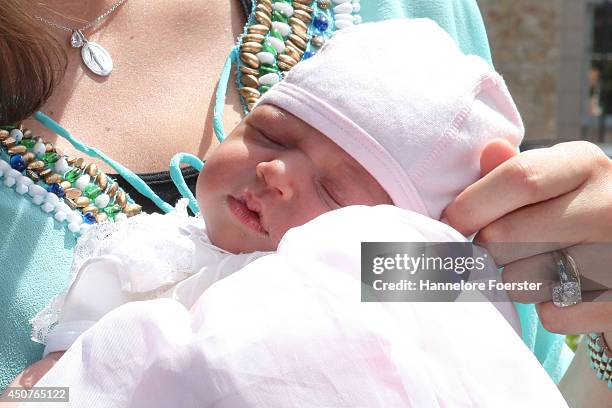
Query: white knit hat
[{"x": 400, "y": 98}]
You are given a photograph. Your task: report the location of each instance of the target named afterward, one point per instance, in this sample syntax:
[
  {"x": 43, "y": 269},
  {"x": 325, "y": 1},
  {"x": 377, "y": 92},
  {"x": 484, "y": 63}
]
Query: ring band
[{"x": 567, "y": 292}]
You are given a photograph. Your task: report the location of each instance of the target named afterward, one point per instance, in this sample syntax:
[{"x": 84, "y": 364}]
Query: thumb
[{"x": 495, "y": 153}]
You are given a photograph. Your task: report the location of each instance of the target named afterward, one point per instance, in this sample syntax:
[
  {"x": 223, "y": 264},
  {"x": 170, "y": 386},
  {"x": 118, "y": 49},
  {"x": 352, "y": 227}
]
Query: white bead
[
  {"x": 283, "y": 28},
  {"x": 61, "y": 166},
  {"x": 38, "y": 199},
  {"x": 284, "y": 8},
  {"x": 340, "y": 24},
  {"x": 61, "y": 206},
  {"x": 75, "y": 218},
  {"x": 35, "y": 190},
  {"x": 14, "y": 174},
  {"x": 343, "y": 8},
  {"x": 9, "y": 181},
  {"x": 357, "y": 19},
  {"x": 17, "y": 134},
  {"x": 52, "y": 199},
  {"x": 48, "y": 207},
  {"x": 21, "y": 188},
  {"x": 84, "y": 228},
  {"x": 269, "y": 79},
  {"x": 102, "y": 200},
  {"x": 4, "y": 165},
  {"x": 277, "y": 44},
  {"x": 25, "y": 180},
  {"x": 120, "y": 217},
  {"x": 61, "y": 216},
  {"x": 266, "y": 57},
  {"x": 39, "y": 149},
  {"x": 356, "y": 8},
  {"x": 74, "y": 227},
  {"x": 348, "y": 17},
  {"x": 341, "y": 1},
  {"x": 82, "y": 182}
]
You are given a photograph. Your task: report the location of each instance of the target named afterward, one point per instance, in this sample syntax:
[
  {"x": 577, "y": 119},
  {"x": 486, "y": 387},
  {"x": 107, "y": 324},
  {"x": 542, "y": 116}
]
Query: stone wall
[{"x": 525, "y": 39}]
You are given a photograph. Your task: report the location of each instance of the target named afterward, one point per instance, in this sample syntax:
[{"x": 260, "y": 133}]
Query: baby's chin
[{"x": 238, "y": 244}]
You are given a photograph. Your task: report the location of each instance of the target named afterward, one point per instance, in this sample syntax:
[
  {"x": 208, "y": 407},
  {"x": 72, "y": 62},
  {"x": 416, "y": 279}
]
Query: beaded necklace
[
  {"x": 75, "y": 191},
  {"x": 280, "y": 33}
]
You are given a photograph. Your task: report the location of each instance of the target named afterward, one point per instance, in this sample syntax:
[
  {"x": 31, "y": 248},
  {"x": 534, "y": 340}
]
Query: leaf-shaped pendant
[{"x": 97, "y": 59}]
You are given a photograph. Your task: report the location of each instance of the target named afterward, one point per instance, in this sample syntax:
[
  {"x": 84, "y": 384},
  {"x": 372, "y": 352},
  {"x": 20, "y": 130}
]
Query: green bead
[
  {"x": 29, "y": 143},
  {"x": 92, "y": 191},
  {"x": 276, "y": 34},
  {"x": 50, "y": 157},
  {"x": 267, "y": 47},
  {"x": 267, "y": 69},
  {"x": 72, "y": 175},
  {"x": 278, "y": 16},
  {"x": 112, "y": 210},
  {"x": 264, "y": 88}
]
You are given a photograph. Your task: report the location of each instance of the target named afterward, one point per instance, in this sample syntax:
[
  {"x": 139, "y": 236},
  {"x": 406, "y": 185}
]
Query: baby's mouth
[{"x": 247, "y": 213}]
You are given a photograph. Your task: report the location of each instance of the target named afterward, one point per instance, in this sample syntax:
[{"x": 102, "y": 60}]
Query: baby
[{"x": 385, "y": 113}]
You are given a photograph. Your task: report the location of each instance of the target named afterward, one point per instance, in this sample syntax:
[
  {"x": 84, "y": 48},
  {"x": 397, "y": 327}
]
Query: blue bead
[
  {"x": 56, "y": 189},
  {"x": 307, "y": 55},
  {"x": 18, "y": 163},
  {"x": 320, "y": 22},
  {"x": 89, "y": 217}
]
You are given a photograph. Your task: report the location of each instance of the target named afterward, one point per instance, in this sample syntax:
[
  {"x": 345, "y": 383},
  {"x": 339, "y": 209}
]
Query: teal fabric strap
[
  {"x": 179, "y": 180},
  {"x": 222, "y": 92},
  {"x": 127, "y": 174}
]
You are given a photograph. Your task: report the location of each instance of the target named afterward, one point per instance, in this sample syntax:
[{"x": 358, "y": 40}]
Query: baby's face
[{"x": 275, "y": 172}]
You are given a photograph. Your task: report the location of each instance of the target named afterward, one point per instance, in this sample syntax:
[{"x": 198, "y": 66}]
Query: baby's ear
[{"x": 495, "y": 153}]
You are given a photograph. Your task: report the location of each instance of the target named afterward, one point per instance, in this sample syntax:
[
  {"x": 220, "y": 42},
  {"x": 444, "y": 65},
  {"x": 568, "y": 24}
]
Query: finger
[
  {"x": 528, "y": 178},
  {"x": 495, "y": 153},
  {"x": 592, "y": 262},
  {"x": 554, "y": 224},
  {"x": 584, "y": 317}
]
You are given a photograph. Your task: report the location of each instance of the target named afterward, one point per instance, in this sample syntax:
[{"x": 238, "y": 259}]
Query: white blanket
[{"x": 289, "y": 330}]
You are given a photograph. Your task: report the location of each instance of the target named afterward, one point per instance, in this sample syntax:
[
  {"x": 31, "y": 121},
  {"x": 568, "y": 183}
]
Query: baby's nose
[{"x": 277, "y": 177}]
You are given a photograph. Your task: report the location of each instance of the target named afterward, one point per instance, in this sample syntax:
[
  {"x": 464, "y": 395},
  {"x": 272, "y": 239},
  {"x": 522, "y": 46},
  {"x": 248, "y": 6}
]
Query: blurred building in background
[{"x": 556, "y": 56}]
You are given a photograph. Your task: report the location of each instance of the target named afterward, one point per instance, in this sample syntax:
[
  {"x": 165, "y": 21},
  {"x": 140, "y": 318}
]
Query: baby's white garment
[
  {"x": 290, "y": 330},
  {"x": 146, "y": 257}
]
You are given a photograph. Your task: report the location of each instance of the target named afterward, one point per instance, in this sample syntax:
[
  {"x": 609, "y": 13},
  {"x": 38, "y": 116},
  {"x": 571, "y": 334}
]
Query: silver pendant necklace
[{"x": 94, "y": 56}]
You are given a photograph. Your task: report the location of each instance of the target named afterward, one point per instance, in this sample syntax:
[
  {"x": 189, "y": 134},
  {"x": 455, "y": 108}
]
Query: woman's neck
[{"x": 73, "y": 13}]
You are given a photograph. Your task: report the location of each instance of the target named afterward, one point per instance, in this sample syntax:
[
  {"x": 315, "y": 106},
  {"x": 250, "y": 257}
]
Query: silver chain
[{"x": 88, "y": 25}]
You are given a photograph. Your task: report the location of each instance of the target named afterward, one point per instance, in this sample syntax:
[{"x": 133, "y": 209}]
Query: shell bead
[
  {"x": 38, "y": 199},
  {"x": 269, "y": 79},
  {"x": 278, "y": 45},
  {"x": 344, "y": 8},
  {"x": 266, "y": 57},
  {"x": 61, "y": 166},
  {"x": 102, "y": 200},
  {"x": 16, "y": 134},
  {"x": 82, "y": 182},
  {"x": 283, "y": 29},
  {"x": 39, "y": 149}
]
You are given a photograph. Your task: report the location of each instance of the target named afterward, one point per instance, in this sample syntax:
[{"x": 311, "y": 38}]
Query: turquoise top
[{"x": 36, "y": 262}]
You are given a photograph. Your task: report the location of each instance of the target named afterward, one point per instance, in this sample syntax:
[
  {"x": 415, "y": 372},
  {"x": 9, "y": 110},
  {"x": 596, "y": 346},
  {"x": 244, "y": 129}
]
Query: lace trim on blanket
[{"x": 173, "y": 263}]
